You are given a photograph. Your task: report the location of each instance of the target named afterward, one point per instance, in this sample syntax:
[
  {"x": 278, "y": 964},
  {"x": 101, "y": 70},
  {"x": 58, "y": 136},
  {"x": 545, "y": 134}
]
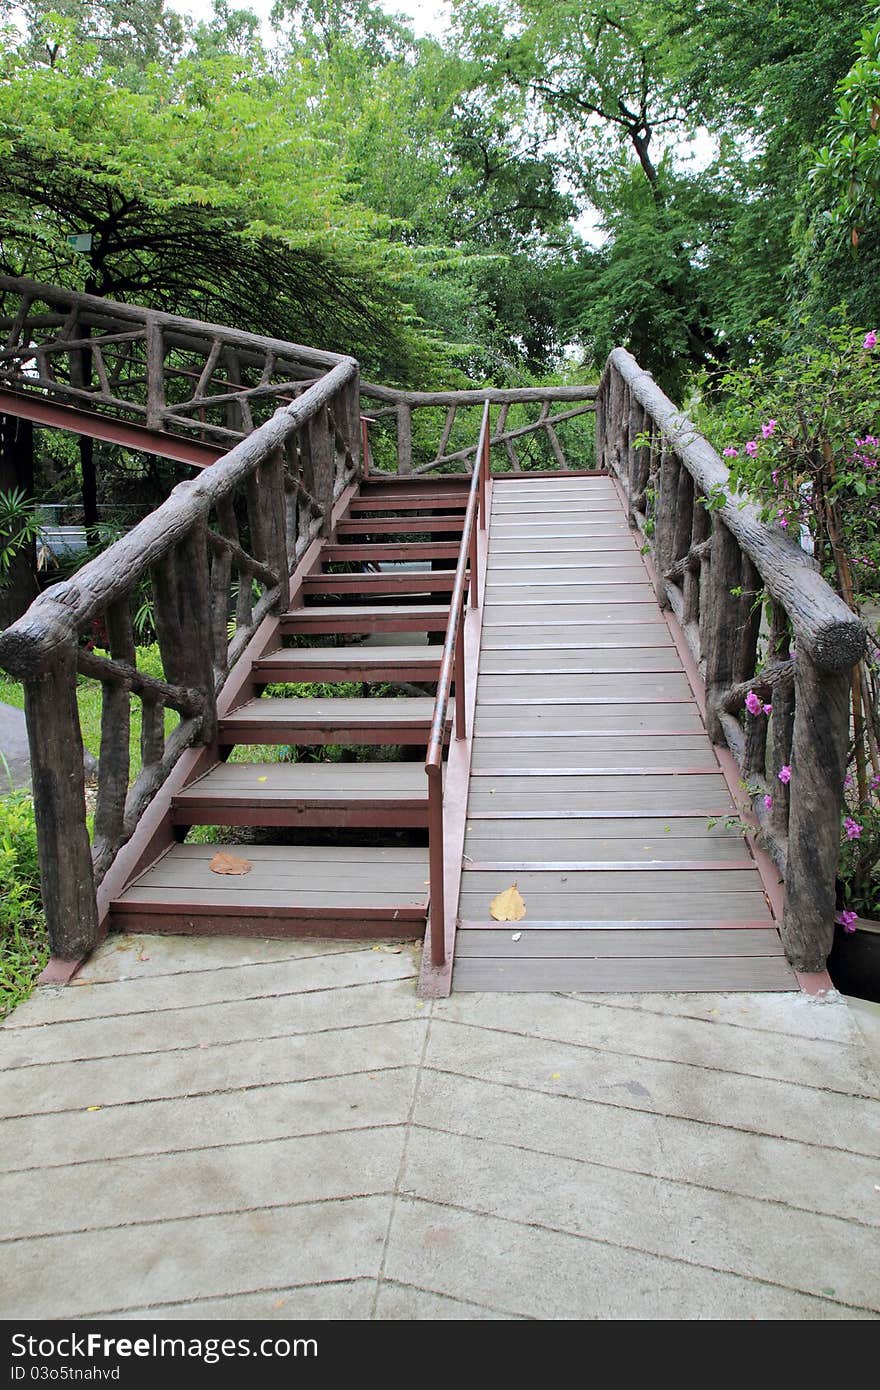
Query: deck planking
[{"x": 594, "y": 783}]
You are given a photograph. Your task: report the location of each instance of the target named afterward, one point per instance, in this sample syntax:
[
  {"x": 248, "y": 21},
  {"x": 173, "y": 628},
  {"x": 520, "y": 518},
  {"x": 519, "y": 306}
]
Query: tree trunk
[{"x": 17, "y": 471}]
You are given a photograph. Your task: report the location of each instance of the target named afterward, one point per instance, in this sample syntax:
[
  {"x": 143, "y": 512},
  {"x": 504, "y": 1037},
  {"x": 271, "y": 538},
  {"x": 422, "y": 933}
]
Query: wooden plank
[
  {"x": 550, "y": 661},
  {"x": 528, "y": 720},
  {"x": 604, "y": 613},
  {"x": 559, "y": 757},
  {"x": 602, "y": 588},
  {"x": 751, "y": 973},
  {"x": 356, "y": 779},
  {"x": 394, "y": 709},
  {"x": 586, "y": 637},
  {"x": 660, "y": 794},
  {"x": 627, "y": 943},
  {"x": 699, "y": 887},
  {"x": 361, "y": 663},
  {"x": 574, "y": 688},
  {"x": 616, "y": 908},
  {"x": 401, "y": 525},
  {"x": 344, "y": 619},
  {"x": 676, "y": 835}
]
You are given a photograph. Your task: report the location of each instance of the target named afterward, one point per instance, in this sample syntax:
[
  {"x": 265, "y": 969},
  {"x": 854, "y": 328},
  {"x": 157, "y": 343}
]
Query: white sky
[{"x": 427, "y": 16}]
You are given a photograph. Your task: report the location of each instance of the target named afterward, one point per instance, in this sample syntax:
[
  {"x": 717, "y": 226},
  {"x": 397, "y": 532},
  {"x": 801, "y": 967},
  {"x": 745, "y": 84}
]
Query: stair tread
[
  {"x": 285, "y": 879},
  {"x": 269, "y": 782},
  {"x": 360, "y": 610},
  {"x": 346, "y": 656},
  {"x": 393, "y": 709}
]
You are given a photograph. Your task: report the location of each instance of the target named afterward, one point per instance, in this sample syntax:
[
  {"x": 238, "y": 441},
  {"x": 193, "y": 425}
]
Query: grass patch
[{"x": 24, "y": 948}]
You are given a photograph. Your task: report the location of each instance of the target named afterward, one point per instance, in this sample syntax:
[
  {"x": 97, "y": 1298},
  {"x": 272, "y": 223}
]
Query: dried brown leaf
[
  {"x": 508, "y": 906},
  {"x": 224, "y": 863}
]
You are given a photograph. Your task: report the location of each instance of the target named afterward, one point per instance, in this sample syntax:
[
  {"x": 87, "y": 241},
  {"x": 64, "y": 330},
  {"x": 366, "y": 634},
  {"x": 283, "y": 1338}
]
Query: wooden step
[
  {"x": 345, "y": 720},
  {"x": 349, "y": 664},
  {"x": 290, "y": 890},
  {"x": 405, "y": 550},
  {"x": 400, "y": 482},
  {"x": 403, "y": 582},
  {"x": 388, "y": 794},
  {"x": 401, "y": 525},
  {"x": 351, "y": 618},
  {"x": 411, "y": 502}
]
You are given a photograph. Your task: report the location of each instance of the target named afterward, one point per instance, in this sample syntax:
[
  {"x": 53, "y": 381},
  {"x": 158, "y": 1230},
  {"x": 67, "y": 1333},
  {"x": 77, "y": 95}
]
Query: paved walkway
[{"x": 231, "y": 1129}]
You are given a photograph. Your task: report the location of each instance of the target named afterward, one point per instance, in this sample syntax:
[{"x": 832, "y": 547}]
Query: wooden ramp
[{"x": 593, "y": 781}]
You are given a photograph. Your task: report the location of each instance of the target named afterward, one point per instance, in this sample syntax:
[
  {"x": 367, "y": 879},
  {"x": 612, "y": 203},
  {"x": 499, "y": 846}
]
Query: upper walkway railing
[{"x": 758, "y": 617}]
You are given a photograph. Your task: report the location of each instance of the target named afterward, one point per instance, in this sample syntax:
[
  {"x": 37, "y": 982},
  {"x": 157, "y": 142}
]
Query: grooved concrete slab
[{"x": 227, "y": 1129}]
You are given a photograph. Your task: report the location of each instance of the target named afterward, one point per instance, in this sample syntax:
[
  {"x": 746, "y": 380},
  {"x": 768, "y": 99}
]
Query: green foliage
[
  {"x": 23, "y": 945},
  {"x": 19, "y": 528}
]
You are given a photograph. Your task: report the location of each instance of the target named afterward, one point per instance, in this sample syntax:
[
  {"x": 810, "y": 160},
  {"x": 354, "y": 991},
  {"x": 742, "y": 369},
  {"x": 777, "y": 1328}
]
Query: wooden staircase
[{"x": 341, "y": 845}]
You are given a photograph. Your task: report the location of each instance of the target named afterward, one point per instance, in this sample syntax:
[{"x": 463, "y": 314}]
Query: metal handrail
[{"x": 452, "y": 666}]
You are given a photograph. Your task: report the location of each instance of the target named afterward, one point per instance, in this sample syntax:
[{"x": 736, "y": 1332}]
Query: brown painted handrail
[{"x": 452, "y": 666}]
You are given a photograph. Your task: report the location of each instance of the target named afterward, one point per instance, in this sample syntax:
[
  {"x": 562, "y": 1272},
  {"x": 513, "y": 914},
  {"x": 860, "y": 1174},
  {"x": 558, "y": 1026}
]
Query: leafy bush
[{"x": 23, "y": 945}]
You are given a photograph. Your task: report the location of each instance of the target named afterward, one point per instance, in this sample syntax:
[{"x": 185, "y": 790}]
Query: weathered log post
[
  {"x": 818, "y": 767},
  {"x": 720, "y": 631},
  {"x": 318, "y": 464},
  {"x": 115, "y": 763},
  {"x": 65, "y": 857},
  {"x": 404, "y": 439}
]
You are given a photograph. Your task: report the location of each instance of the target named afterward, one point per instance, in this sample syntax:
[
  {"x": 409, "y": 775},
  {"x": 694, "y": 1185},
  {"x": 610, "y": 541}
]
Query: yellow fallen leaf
[
  {"x": 556, "y": 1076},
  {"x": 94, "y": 1107},
  {"x": 508, "y": 906},
  {"x": 224, "y": 863},
  {"x": 262, "y": 779}
]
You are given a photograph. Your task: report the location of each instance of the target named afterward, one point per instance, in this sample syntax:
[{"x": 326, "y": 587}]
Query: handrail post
[
  {"x": 63, "y": 848},
  {"x": 484, "y": 465},
  {"x": 473, "y": 577},
  {"x": 435, "y": 865},
  {"x": 365, "y": 445},
  {"x": 459, "y": 678}
]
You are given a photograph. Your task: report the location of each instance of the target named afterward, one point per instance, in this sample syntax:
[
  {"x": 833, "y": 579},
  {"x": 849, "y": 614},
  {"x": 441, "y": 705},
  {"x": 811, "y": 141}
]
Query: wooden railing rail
[
  {"x": 171, "y": 374},
  {"x": 760, "y": 621},
  {"x": 406, "y": 408},
  {"x": 206, "y": 567},
  {"x": 452, "y": 674}
]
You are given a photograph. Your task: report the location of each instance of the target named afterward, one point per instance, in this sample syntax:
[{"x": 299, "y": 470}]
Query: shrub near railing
[
  {"x": 715, "y": 566},
  {"x": 218, "y": 553}
]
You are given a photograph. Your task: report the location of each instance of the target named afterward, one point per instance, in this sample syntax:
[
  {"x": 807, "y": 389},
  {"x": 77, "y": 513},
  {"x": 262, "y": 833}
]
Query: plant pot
[{"x": 854, "y": 963}]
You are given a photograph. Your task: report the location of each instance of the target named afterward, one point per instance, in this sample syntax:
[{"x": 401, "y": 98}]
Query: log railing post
[
  {"x": 65, "y": 857},
  {"x": 115, "y": 761},
  {"x": 404, "y": 439},
  {"x": 318, "y": 456},
  {"x": 818, "y": 767},
  {"x": 720, "y": 632}
]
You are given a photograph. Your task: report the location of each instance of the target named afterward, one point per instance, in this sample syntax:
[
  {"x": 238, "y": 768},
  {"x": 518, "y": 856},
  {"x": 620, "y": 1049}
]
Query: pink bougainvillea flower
[
  {"x": 870, "y": 341},
  {"x": 847, "y": 781},
  {"x": 730, "y": 453},
  {"x": 775, "y": 476},
  {"x": 783, "y": 522},
  {"x": 784, "y": 775},
  {"x": 768, "y": 429},
  {"x": 875, "y": 781},
  {"x": 753, "y": 704},
  {"x": 768, "y": 802},
  {"x": 847, "y": 920},
  {"x": 751, "y": 447},
  {"x": 768, "y": 709},
  {"x": 852, "y": 828}
]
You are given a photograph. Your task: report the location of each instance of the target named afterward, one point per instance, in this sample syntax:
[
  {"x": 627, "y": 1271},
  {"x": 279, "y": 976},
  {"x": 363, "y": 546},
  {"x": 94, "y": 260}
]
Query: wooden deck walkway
[{"x": 593, "y": 780}]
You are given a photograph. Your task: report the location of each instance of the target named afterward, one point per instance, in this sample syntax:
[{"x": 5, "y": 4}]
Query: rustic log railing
[
  {"x": 158, "y": 372},
  {"x": 419, "y": 418},
  {"x": 758, "y": 618},
  {"x": 210, "y": 564},
  {"x": 452, "y": 675}
]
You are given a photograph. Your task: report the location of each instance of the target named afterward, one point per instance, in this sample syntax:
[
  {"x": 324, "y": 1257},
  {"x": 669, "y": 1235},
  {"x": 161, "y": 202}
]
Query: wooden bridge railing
[
  {"x": 208, "y": 565},
  {"x": 436, "y": 430},
  {"x": 759, "y": 620},
  {"x": 452, "y": 674},
  {"x": 171, "y": 375}
]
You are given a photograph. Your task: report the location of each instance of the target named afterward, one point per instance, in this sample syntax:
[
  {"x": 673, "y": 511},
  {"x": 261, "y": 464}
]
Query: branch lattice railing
[
  {"x": 209, "y": 565},
  {"x": 172, "y": 376},
  {"x": 431, "y": 431},
  {"x": 758, "y": 617}
]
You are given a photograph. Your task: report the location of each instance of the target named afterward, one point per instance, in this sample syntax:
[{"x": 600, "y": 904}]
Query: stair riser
[
  {"x": 268, "y": 672},
  {"x": 345, "y": 816},
  {"x": 429, "y": 582},
  {"x": 401, "y": 924}
]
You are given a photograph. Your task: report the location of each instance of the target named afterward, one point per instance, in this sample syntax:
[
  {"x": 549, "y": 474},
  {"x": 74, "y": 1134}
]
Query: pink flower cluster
[
  {"x": 754, "y": 705},
  {"x": 868, "y": 459},
  {"x": 870, "y": 340},
  {"x": 847, "y": 920},
  {"x": 784, "y": 775},
  {"x": 852, "y": 828}
]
